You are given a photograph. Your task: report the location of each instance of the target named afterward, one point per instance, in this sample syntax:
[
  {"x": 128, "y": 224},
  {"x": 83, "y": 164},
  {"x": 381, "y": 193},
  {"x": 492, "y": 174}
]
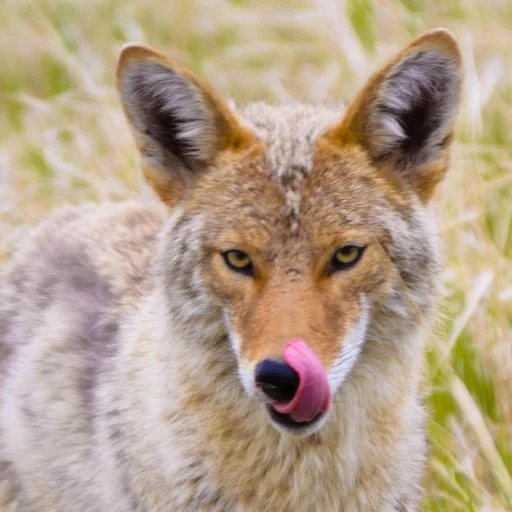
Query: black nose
[{"x": 277, "y": 380}]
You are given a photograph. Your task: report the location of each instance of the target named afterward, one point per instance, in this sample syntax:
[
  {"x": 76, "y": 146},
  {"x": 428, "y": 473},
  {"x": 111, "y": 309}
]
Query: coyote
[{"x": 252, "y": 340}]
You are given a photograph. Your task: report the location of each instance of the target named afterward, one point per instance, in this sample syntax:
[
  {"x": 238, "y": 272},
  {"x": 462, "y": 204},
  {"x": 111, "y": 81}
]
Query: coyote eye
[
  {"x": 238, "y": 261},
  {"x": 345, "y": 258}
]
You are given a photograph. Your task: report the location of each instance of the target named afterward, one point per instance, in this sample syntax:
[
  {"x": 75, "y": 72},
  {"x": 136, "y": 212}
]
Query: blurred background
[{"x": 63, "y": 139}]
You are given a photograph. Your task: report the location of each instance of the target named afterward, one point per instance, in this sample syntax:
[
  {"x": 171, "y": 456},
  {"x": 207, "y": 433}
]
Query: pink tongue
[{"x": 313, "y": 394}]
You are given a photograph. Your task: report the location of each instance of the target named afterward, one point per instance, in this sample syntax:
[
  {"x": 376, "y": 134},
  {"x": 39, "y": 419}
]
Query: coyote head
[{"x": 301, "y": 232}]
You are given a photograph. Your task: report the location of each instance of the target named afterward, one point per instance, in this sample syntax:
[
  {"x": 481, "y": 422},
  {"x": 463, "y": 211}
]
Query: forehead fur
[
  {"x": 288, "y": 134},
  {"x": 297, "y": 180}
]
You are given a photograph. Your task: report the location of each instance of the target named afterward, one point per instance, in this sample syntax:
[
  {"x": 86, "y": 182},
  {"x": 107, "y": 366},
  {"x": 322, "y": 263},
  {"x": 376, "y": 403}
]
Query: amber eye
[
  {"x": 238, "y": 261},
  {"x": 346, "y": 257}
]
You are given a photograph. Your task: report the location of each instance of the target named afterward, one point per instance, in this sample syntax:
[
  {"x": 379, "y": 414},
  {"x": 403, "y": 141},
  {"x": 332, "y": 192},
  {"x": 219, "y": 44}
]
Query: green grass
[{"x": 63, "y": 139}]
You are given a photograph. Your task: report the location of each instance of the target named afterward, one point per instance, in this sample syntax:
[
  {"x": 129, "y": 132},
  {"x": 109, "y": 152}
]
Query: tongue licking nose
[{"x": 313, "y": 394}]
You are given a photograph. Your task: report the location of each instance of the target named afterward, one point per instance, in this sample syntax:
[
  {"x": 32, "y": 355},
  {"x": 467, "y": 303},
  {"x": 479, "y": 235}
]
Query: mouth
[{"x": 285, "y": 423}]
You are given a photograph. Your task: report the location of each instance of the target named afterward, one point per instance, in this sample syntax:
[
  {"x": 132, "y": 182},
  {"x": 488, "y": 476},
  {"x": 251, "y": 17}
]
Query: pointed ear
[
  {"x": 179, "y": 123},
  {"x": 404, "y": 116}
]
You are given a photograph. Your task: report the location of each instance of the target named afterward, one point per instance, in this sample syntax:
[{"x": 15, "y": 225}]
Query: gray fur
[{"x": 54, "y": 286}]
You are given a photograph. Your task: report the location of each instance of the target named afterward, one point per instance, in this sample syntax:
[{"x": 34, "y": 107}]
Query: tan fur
[{"x": 129, "y": 347}]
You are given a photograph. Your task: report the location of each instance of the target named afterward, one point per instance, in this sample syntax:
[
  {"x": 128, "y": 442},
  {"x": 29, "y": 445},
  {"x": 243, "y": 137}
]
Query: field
[{"x": 63, "y": 139}]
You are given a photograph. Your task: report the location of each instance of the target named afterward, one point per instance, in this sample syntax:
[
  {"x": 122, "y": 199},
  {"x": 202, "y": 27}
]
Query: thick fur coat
[{"x": 128, "y": 345}]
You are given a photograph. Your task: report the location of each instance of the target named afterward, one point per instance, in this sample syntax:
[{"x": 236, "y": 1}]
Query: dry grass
[{"x": 63, "y": 139}]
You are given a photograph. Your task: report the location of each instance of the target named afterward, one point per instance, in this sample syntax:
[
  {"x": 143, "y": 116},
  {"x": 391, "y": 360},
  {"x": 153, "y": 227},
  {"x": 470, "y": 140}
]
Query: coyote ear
[
  {"x": 179, "y": 124},
  {"x": 404, "y": 117}
]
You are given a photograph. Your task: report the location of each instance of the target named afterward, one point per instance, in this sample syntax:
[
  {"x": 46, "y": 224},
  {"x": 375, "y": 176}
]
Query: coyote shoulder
[{"x": 253, "y": 339}]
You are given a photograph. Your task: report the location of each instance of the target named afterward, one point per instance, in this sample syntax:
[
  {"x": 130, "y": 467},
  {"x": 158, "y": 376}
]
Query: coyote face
[{"x": 300, "y": 232}]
